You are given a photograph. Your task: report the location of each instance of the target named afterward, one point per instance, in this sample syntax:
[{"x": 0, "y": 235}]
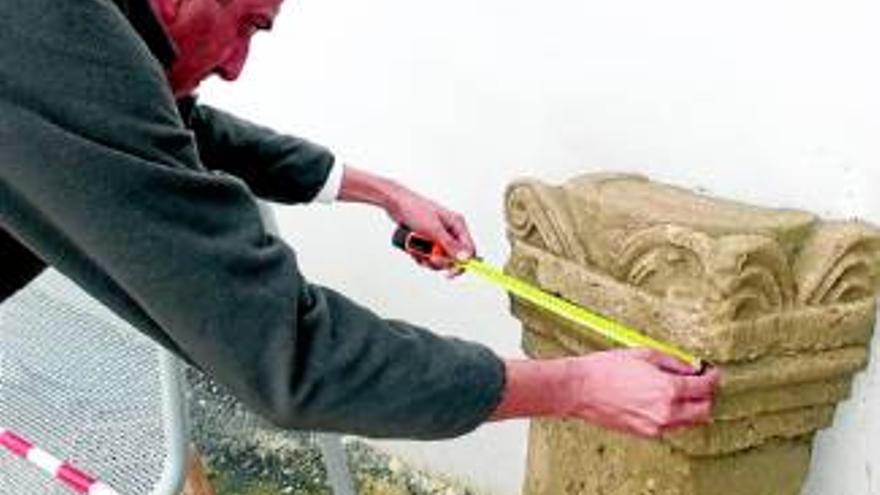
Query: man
[{"x": 148, "y": 205}]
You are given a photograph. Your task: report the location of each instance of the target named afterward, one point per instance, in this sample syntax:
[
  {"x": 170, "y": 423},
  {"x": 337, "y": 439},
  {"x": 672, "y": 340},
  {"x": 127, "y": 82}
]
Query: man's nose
[{"x": 231, "y": 68}]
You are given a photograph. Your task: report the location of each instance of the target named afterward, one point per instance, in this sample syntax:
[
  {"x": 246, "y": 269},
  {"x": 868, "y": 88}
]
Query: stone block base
[{"x": 575, "y": 458}]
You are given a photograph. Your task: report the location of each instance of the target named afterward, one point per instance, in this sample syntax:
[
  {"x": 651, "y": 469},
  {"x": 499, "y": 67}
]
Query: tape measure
[{"x": 424, "y": 248}]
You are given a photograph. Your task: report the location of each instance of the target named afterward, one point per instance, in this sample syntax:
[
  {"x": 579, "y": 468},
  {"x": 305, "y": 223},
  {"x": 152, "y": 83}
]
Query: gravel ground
[{"x": 245, "y": 455}]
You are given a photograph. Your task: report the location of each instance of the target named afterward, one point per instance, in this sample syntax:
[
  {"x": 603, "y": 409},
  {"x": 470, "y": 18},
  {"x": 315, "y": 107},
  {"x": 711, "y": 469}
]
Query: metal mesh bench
[
  {"x": 85, "y": 386},
  {"x": 82, "y": 384}
]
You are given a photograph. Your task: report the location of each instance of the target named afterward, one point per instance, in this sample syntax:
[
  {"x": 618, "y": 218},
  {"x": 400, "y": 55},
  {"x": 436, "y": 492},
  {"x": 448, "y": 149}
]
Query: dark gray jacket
[{"x": 150, "y": 208}]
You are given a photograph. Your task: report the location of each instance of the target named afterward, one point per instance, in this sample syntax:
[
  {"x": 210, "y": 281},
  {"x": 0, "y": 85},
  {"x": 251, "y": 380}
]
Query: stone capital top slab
[{"x": 717, "y": 276}]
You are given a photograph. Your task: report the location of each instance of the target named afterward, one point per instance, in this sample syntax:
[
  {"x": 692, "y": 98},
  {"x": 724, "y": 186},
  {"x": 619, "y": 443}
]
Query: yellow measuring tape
[
  {"x": 425, "y": 248},
  {"x": 609, "y": 329}
]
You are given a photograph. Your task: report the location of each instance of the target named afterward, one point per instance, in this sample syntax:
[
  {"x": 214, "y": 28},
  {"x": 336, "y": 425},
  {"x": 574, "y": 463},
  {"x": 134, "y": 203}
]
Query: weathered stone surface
[
  {"x": 780, "y": 300},
  {"x": 609, "y": 464}
]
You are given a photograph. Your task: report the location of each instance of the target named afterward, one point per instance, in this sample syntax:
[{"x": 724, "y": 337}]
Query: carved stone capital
[{"x": 781, "y": 301}]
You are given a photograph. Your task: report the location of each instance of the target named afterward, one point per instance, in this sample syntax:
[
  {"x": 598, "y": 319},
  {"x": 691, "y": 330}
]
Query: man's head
[{"x": 212, "y": 36}]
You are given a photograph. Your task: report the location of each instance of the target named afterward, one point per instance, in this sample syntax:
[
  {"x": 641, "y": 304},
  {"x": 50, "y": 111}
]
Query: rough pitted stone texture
[{"x": 782, "y": 301}]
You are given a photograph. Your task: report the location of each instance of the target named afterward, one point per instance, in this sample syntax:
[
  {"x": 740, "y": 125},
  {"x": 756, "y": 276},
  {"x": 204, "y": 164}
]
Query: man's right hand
[{"x": 638, "y": 391}]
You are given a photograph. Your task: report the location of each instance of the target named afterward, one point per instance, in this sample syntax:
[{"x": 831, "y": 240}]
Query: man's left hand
[
  {"x": 417, "y": 212},
  {"x": 428, "y": 218}
]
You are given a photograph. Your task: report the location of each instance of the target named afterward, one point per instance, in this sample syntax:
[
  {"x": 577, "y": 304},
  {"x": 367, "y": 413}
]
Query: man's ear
[{"x": 168, "y": 10}]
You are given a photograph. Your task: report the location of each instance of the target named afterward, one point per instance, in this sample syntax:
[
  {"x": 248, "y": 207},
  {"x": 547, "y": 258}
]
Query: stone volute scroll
[{"x": 782, "y": 301}]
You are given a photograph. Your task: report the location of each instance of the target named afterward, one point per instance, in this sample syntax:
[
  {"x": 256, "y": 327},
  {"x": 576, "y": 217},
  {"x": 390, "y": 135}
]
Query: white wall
[{"x": 767, "y": 101}]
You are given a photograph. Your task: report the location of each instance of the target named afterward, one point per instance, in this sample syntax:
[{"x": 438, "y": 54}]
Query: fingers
[
  {"x": 698, "y": 386},
  {"x": 449, "y": 244},
  {"x": 457, "y": 248},
  {"x": 641, "y": 391},
  {"x": 445, "y": 227},
  {"x": 676, "y": 415},
  {"x": 691, "y": 401},
  {"x": 689, "y": 413},
  {"x": 457, "y": 228},
  {"x": 689, "y": 384},
  {"x": 438, "y": 263},
  {"x": 455, "y": 239}
]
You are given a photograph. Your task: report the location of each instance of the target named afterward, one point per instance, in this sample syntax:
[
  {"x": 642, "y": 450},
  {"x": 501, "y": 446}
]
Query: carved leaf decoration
[
  {"x": 668, "y": 261},
  {"x": 753, "y": 276},
  {"x": 538, "y": 215},
  {"x": 840, "y": 263},
  {"x": 733, "y": 278}
]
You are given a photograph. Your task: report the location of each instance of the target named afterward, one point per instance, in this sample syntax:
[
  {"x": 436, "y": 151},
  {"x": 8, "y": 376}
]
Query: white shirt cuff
[{"x": 330, "y": 191}]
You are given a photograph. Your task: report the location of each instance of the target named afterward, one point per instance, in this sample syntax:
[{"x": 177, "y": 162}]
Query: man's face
[{"x": 213, "y": 37}]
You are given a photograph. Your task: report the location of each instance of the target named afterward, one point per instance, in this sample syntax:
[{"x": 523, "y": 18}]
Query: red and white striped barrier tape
[{"x": 71, "y": 476}]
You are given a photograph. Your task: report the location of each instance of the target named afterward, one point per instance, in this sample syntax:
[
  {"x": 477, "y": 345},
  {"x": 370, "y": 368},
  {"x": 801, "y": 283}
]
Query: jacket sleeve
[
  {"x": 99, "y": 177},
  {"x": 275, "y": 166},
  {"x": 20, "y": 265}
]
